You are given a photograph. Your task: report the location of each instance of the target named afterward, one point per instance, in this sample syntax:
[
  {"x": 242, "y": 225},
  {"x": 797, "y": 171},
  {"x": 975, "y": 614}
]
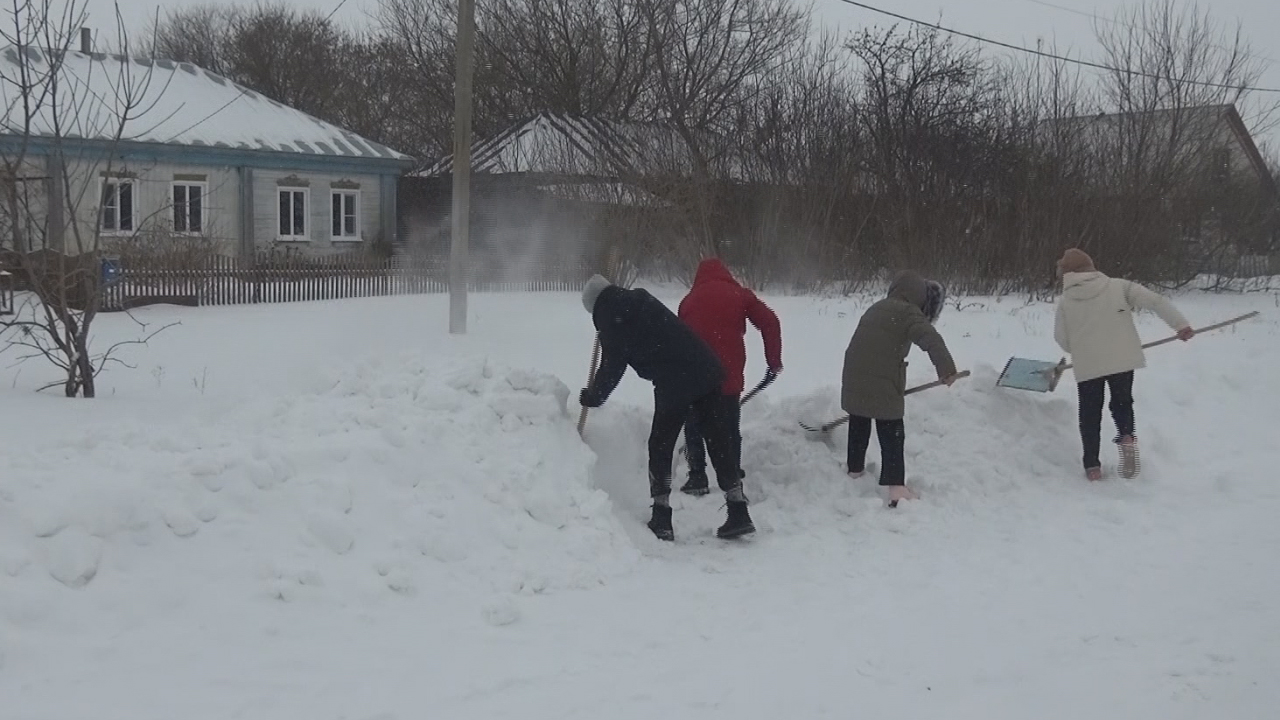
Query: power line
[
  {"x": 1131, "y": 26},
  {"x": 335, "y": 10},
  {"x": 1051, "y": 56}
]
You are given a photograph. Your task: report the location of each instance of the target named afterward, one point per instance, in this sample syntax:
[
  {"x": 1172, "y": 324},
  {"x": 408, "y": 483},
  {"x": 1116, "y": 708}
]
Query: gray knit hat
[{"x": 594, "y": 287}]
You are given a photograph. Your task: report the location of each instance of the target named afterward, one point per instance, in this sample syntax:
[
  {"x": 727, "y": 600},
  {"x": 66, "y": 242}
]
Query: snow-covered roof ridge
[
  {"x": 557, "y": 143},
  {"x": 177, "y": 103}
]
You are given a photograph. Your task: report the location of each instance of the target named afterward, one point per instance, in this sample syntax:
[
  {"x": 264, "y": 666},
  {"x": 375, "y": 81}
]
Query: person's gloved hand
[
  {"x": 1186, "y": 334},
  {"x": 772, "y": 374},
  {"x": 589, "y": 398}
]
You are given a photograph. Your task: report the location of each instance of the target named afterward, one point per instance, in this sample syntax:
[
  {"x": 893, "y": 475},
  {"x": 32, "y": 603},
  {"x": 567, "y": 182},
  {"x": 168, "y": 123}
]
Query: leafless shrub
[{"x": 56, "y": 218}]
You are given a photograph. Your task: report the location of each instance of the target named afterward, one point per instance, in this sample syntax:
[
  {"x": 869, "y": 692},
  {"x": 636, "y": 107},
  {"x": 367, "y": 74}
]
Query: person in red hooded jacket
[{"x": 718, "y": 309}]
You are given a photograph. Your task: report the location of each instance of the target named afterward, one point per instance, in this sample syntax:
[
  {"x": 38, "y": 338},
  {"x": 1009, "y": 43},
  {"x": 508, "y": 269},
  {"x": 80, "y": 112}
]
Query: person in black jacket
[{"x": 637, "y": 330}]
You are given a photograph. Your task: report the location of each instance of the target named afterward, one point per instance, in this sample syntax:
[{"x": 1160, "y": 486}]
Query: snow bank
[
  {"x": 967, "y": 447},
  {"x": 975, "y": 452},
  {"x": 397, "y": 477},
  {"x": 369, "y": 540}
]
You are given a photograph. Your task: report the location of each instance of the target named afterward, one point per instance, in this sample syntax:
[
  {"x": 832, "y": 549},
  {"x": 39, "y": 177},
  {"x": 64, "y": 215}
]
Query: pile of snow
[
  {"x": 403, "y": 532},
  {"x": 977, "y": 453},
  {"x": 400, "y": 476}
]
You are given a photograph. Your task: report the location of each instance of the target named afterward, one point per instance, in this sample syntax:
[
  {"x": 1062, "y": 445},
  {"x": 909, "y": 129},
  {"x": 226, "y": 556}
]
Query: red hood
[{"x": 712, "y": 269}]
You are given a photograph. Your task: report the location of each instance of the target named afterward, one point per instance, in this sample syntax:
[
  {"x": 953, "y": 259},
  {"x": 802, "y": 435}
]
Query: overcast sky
[{"x": 1067, "y": 23}]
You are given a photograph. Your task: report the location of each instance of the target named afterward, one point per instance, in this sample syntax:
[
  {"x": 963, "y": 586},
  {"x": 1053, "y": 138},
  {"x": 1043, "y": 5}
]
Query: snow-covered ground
[{"x": 338, "y": 511}]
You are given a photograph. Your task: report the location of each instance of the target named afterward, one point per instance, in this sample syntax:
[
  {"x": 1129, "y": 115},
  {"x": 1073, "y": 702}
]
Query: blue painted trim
[
  {"x": 246, "y": 212},
  {"x": 204, "y": 155}
]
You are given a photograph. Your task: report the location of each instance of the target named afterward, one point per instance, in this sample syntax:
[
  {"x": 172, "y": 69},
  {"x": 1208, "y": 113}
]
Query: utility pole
[{"x": 459, "y": 269}]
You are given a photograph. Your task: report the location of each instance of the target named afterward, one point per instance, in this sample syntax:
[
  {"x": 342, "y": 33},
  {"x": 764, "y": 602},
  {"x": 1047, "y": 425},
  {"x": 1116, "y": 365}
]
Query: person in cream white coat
[{"x": 1094, "y": 325}]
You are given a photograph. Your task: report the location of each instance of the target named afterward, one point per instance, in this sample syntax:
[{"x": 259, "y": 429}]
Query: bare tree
[
  {"x": 588, "y": 58},
  {"x": 424, "y": 30},
  {"x": 802, "y": 211},
  {"x": 938, "y": 131},
  {"x": 1177, "y": 77},
  {"x": 65, "y": 116},
  {"x": 361, "y": 81},
  {"x": 1167, "y": 55},
  {"x": 797, "y": 161},
  {"x": 297, "y": 58},
  {"x": 199, "y": 34}
]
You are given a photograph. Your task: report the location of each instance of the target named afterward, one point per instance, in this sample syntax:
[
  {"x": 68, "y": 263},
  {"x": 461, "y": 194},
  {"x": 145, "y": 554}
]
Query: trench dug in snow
[
  {"x": 967, "y": 447},
  {"x": 403, "y": 475}
]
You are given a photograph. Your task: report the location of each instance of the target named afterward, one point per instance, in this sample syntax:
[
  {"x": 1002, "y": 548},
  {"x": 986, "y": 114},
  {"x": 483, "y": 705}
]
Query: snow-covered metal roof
[
  {"x": 172, "y": 104},
  {"x": 1194, "y": 129},
  {"x": 558, "y": 144}
]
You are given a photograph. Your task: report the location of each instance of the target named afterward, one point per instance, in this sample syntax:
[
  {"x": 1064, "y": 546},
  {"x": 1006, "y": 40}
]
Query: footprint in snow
[
  {"x": 331, "y": 532},
  {"x": 500, "y": 612},
  {"x": 180, "y": 521},
  {"x": 72, "y": 557}
]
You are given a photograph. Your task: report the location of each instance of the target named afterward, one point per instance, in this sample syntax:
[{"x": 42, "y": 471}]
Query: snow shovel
[
  {"x": 911, "y": 391},
  {"x": 1041, "y": 376}
]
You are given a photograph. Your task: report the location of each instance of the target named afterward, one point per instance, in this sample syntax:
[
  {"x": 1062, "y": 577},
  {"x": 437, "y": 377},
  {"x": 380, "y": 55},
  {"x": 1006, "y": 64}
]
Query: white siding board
[
  {"x": 153, "y": 201},
  {"x": 266, "y": 185},
  {"x": 153, "y": 204}
]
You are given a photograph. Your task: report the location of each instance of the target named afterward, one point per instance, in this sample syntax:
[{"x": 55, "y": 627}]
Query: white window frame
[
  {"x": 306, "y": 213},
  {"x": 344, "y": 193},
  {"x": 204, "y": 206},
  {"x": 133, "y": 205}
]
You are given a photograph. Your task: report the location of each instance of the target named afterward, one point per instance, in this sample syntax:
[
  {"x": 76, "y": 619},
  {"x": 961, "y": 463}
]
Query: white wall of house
[
  {"x": 154, "y": 201},
  {"x": 339, "y": 212},
  {"x": 336, "y": 212}
]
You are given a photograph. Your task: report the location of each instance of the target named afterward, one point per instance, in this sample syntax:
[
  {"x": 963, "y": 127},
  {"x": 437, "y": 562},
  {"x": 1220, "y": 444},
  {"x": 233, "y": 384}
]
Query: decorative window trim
[
  {"x": 293, "y": 181},
  {"x": 358, "y": 234},
  {"x": 306, "y": 214},
  {"x": 118, "y": 181},
  {"x": 204, "y": 206}
]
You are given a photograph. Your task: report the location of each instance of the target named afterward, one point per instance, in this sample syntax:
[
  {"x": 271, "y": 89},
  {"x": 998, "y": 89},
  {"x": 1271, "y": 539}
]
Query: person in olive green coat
[{"x": 875, "y": 375}]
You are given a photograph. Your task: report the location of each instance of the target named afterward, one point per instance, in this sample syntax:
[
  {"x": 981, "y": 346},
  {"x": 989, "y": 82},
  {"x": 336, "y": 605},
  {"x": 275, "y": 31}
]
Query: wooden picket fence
[{"x": 271, "y": 279}]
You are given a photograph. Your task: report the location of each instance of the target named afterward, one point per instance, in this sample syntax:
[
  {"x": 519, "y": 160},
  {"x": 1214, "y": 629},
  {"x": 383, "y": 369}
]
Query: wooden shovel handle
[
  {"x": 935, "y": 383},
  {"x": 591, "y": 377},
  {"x": 911, "y": 391},
  {"x": 1063, "y": 366}
]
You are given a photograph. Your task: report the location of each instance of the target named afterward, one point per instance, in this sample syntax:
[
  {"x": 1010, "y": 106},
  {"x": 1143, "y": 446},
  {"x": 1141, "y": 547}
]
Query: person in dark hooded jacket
[
  {"x": 875, "y": 374},
  {"x": 636, "y": 330},
  {"x": 718, "y": 309}
]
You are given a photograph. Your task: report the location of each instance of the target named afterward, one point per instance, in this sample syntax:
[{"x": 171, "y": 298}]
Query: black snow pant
[
  {"x": 695, "y": 443},
  {"x": 716, "y": 417},
  {"x": 1092, "y": 395},
  {"x": 892, "y": 435}
]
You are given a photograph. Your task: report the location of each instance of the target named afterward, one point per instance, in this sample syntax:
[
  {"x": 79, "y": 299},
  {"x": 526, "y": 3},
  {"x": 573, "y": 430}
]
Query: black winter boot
[
  {"x": 660, "y": 523},
  {"x": 697, "y": 484},
  {"x": 739, "y": 521}
]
